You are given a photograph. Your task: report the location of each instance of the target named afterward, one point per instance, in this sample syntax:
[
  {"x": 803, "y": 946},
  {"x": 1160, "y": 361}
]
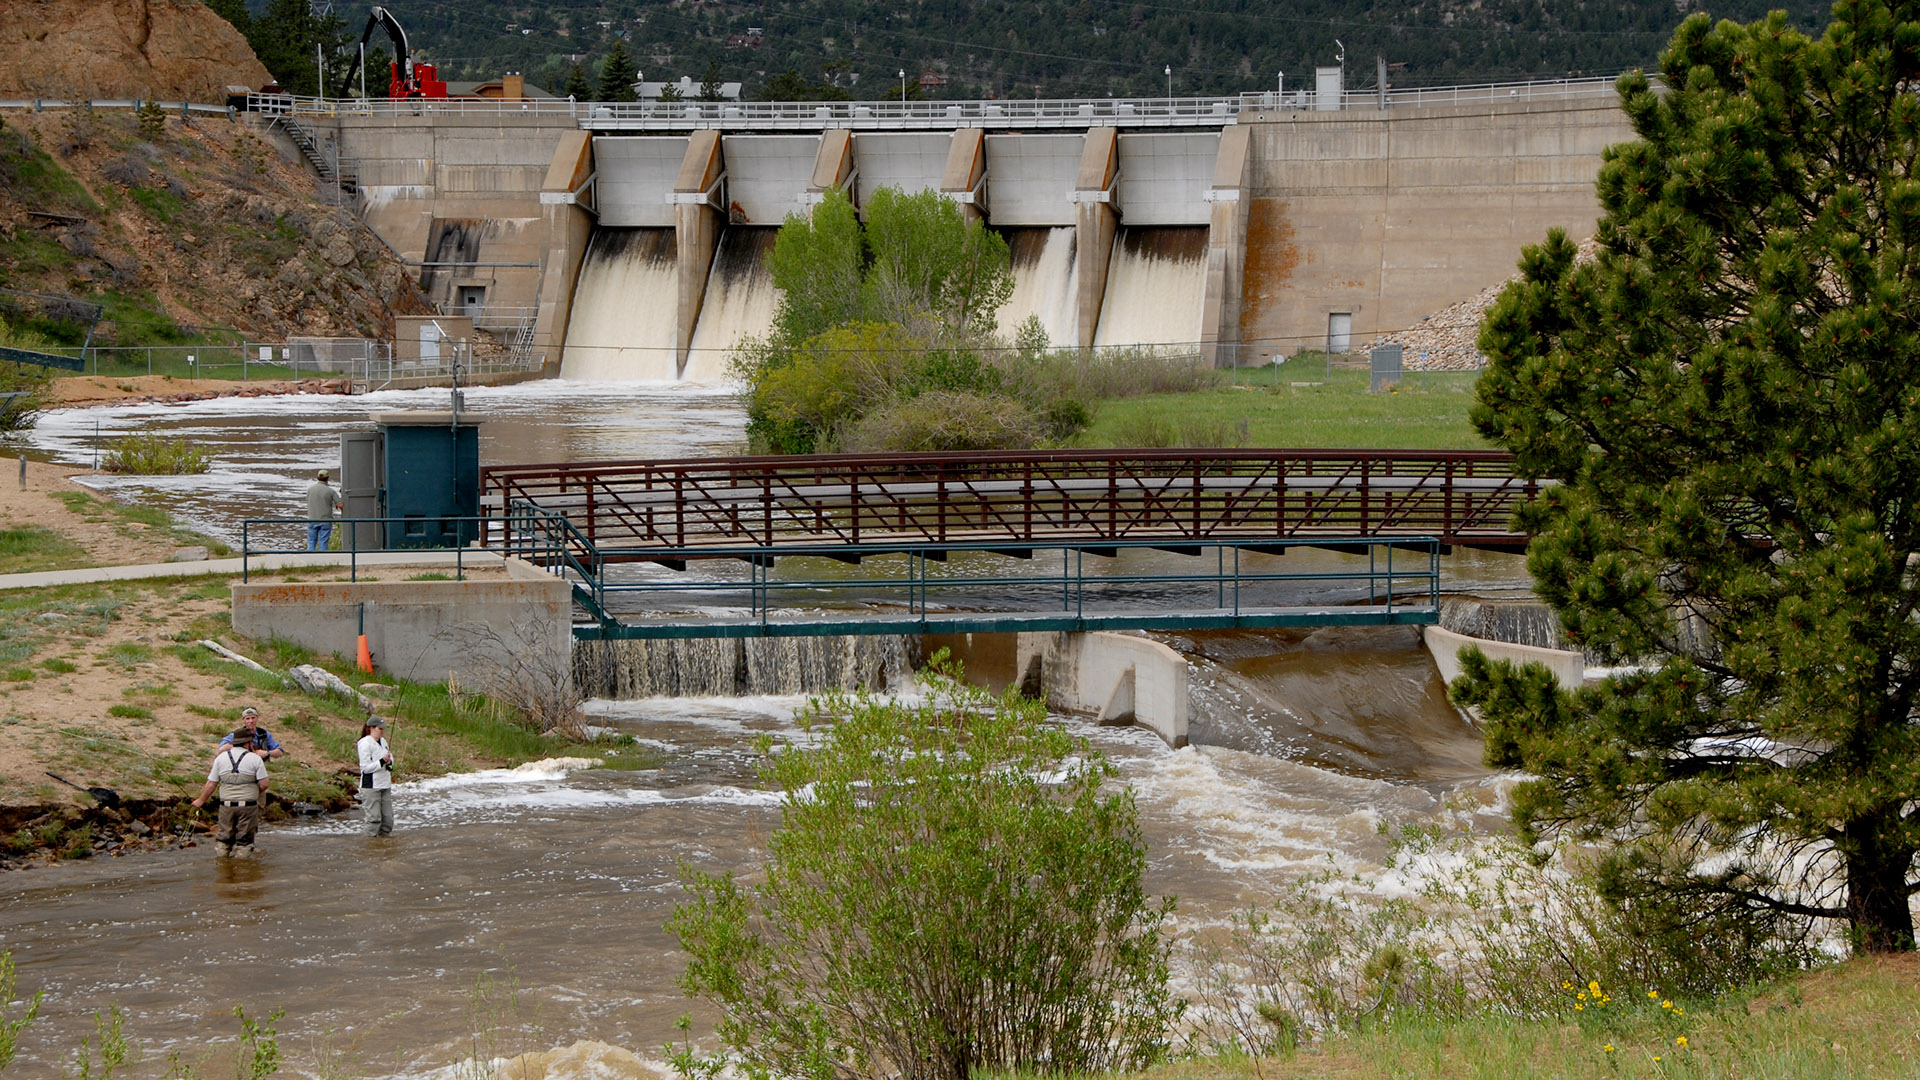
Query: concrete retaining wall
[
  {"x": 1114, "y": 678},
  {"x": 422, "y": 630},
  {"x": 1392, "y": 215},
  {"x": 1445, "y": 645}
]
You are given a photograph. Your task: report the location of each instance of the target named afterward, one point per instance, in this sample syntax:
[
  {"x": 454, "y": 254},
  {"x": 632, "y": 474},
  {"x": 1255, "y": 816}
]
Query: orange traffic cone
[{"x": 364, "y": 661}]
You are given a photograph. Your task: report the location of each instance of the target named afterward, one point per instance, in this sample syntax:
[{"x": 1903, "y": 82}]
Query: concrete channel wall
[
  {"x": 1569, "y": 668},
  {"x": 423, "y": 630},
  {"x": 1112, "y": 678}
]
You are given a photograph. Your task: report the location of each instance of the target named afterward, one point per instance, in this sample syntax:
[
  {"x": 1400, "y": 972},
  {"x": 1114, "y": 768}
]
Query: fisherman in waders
[{"x": 241, "y": 778}]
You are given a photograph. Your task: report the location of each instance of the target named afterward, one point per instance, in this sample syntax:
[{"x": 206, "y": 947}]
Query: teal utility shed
[{"x": 430, "y": 483}]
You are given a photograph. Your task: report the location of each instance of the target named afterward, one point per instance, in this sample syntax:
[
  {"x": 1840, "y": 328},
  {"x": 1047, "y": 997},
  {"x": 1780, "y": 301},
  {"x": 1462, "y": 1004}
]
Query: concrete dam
[{"x": 632, "y": 242}]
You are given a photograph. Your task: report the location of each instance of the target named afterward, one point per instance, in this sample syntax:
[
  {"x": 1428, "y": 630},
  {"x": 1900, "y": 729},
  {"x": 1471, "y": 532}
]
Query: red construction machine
[{"x": 408, "y": 78}]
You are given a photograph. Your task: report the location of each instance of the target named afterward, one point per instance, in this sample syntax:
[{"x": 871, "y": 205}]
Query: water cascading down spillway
[
  {"x": 1045, "y": 285},
  {"x": 1156, "y": 287},
  {"x": 621, "y": 328},
  {"x": 625, "y": 307}
]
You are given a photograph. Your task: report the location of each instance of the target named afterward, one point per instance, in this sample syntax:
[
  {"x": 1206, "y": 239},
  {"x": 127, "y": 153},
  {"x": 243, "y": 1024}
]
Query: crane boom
[{"x": 407, "y": 77}]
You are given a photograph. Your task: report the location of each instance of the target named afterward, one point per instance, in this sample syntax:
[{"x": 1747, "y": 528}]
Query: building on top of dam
[{"x": 630, "y": 241}]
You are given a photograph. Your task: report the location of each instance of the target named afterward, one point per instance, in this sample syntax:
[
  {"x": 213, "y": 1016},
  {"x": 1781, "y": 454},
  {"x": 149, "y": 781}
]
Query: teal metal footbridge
[{"x": 1002, "y": 542}]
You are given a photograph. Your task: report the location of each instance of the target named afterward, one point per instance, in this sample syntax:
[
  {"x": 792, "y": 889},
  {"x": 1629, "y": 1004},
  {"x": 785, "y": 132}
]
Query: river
[{"x": 558, "y": 879}]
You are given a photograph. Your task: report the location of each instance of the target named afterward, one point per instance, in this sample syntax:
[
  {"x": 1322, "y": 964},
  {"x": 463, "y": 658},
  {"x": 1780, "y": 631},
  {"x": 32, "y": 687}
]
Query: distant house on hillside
[{"x": 931, "y": 79}]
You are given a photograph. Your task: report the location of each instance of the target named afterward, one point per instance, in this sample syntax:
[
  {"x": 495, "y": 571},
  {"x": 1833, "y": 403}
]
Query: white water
[
  {"x": 1156, "y": 288},
  {"x": 739, "y": 303},
  {"x": 1045, "y": 284},
  {"x": 622, "y": 322}
]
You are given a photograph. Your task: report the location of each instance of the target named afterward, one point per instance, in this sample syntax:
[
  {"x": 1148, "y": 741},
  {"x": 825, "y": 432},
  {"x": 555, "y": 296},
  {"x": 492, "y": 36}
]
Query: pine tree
[
  {"x": 710, "y": 83},
  {"x": 577, "y": 86},
  {"x": 617, "y": 75},
  {"x": 1729, "y": 399}
]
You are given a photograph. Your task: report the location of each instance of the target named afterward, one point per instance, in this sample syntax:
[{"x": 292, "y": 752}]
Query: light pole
[
  {"x": 1282, "y": 88},
  {"x": 1169, "y": 85},
  {"x": 903, "y": 86}
]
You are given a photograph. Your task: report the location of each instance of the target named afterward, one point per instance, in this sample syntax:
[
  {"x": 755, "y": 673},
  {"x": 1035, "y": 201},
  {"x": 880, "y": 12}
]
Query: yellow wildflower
[
  {"x": 1593, "y": 985},
  {"x": 1681, "y": 1042},
  {"x": 1579, "y": 1008},
  {"x": 1666, "y": 1004},
  {"x": 1608, "y": 1048},
  {"x": 1654, "y": 994}
]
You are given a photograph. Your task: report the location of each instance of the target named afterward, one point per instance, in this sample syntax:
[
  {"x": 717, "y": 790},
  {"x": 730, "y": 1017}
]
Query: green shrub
[
  {"x": 946, "y": 420},
  {"x": 155, "y": 455},
  {"x": 59, "y": 666},
  {"x": 130, "y": 712},
  {"x": 18, "y": 674},
  {"x": 953, "y": 887}
]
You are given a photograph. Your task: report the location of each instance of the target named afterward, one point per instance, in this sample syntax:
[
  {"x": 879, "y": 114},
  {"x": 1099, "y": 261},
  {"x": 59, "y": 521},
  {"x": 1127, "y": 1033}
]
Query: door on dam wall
[{"x": 1339, "y": 332}]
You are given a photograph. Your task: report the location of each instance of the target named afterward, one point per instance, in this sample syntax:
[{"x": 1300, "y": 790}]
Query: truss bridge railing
[{"x": 671, "y": 511}]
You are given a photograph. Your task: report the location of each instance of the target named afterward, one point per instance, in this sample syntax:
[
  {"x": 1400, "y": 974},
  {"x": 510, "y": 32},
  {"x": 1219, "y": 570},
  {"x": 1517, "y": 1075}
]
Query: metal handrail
[
  {"x": 1204, "y": 111},
  {"x": 492, "y": 532}
]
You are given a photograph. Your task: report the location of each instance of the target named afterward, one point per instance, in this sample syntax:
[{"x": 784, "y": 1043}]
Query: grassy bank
[
  {"x": 1311, "y": 406},
  {"x": 107, "y": 685},
  {"x": 1860, "y": 1019}
]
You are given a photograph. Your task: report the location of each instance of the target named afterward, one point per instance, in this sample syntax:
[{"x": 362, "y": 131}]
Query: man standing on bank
[
  {"x": 264, "y": 743},
  {"x": 241, "y": 778},
  {"x": 376, "y": 777},
  {"x": 322, "y": 501}
]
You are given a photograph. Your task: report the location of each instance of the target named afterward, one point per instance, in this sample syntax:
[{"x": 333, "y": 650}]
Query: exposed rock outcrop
[{"x": 174, "y": 50}]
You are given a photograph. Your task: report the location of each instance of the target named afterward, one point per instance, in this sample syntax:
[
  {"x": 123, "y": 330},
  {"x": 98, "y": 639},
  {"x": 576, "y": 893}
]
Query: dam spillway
[{"x": 1368, "y": 213}]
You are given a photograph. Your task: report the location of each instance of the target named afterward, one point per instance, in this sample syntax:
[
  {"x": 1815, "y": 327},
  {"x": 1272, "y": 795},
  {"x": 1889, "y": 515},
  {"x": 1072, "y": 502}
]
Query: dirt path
[
  {"x": 97, "y": 531},
  {"x": 80, "y": 391}
]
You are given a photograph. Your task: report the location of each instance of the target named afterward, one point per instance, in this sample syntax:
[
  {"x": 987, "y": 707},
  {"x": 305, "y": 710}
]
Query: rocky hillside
[
  {"x": 179, "y": 226},
  {"x": 176, "y": 50}
]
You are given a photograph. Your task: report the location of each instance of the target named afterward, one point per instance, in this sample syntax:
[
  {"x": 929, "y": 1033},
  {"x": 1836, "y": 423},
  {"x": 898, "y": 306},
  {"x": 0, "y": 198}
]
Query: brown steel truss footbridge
[{"x": 1081, "y": 524}]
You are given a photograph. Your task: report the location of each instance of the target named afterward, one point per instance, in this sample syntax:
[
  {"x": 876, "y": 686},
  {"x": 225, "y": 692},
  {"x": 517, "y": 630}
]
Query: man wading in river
[{"x": 241, "y": 778}]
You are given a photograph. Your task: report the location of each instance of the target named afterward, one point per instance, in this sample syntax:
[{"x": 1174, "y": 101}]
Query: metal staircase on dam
[{"x": 326, "y": 165}]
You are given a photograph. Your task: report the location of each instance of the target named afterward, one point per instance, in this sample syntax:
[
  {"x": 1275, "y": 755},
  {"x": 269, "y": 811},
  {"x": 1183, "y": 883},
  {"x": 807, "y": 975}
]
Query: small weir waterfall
[
  {"x": 621, "y": 328},
  {"x": 731, "y": 667}
]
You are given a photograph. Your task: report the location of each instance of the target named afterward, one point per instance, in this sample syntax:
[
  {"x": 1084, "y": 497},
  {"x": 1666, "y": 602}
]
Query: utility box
[
  {"x": 430, "y": 479},
  {"x": 1383, "y": 363},
  {"x": 428, "y": 340}
]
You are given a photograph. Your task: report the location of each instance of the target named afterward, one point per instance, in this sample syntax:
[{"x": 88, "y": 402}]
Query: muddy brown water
[{"x": 559, "y": 880}]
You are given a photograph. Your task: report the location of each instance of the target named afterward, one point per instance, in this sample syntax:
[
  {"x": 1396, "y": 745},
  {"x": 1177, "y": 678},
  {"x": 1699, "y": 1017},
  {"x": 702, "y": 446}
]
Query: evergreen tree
[
  {"x": 288, "y": 38},
  {"x": 617, "y": 75},
  {"x": 710, "y": 83},
  {"x": 1729, "y": 399},
  {"x": 235, "y": 12},
  {"x": 577, "y": 86}
]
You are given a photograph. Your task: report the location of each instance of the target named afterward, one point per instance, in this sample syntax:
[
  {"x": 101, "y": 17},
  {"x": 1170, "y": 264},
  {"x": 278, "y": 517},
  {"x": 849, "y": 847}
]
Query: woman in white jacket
[{"x": 376, "y": 777}]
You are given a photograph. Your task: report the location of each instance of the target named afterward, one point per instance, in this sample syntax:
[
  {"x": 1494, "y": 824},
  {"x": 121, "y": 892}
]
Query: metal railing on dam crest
[{"x": 1014, "y": 113}]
